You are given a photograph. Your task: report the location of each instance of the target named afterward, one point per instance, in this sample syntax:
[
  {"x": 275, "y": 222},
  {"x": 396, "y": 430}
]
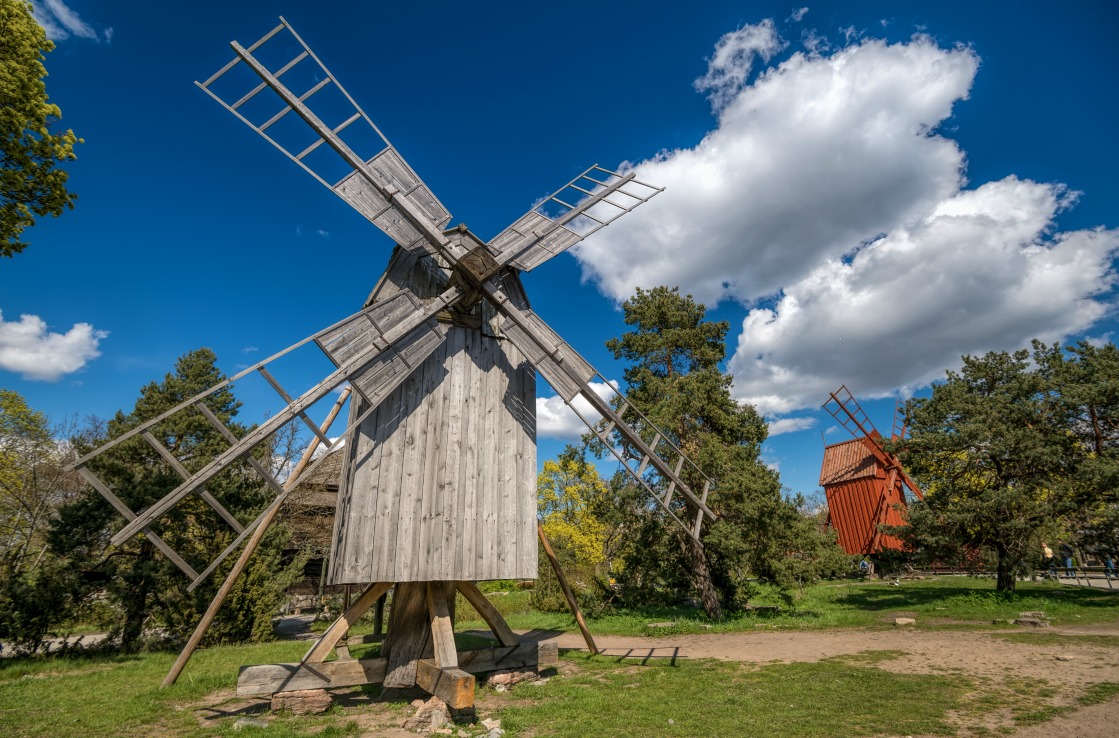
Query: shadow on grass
[{"x": 872, "y": 599}]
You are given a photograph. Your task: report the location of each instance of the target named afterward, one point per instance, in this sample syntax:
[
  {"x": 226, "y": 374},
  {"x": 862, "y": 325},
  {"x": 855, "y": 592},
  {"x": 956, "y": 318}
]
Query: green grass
[
  {"x": 947, "y": 603},
  {"x": 847, "y": 695},
  {"x": 717, "y": 698},
  {"x": 118, "y": 695},
  {"x": 1098, "y": 693}
]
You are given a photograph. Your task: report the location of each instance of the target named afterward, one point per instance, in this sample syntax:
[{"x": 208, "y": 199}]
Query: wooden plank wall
[{"x": 440, "y": 482}]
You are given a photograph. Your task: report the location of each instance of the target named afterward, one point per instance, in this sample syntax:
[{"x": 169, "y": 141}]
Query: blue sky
[{"x": 865, "y": 191}]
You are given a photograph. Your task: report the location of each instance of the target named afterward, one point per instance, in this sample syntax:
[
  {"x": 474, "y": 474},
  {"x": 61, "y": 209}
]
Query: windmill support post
[
  {"x": 567, "y": 593},
  {"x": 419, "y": 650},
  {"x": 250, "y": 548}
]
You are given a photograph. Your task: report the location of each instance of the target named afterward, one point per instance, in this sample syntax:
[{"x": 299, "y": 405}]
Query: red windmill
[{"x": 862, "y": 480}]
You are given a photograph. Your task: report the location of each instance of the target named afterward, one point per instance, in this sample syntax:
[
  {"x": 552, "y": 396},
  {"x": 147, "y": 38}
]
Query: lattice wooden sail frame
[{"x": 375, "y": 349}]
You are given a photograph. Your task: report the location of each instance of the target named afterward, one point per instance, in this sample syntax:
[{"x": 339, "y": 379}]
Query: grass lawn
[
  {"x": 943, "y": 602},
  {"x": 854, "y": 695}
]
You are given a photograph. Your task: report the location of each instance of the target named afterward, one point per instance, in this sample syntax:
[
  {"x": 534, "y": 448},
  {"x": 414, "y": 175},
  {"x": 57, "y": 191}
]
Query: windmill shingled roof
[{"x": 846, "y": 461}]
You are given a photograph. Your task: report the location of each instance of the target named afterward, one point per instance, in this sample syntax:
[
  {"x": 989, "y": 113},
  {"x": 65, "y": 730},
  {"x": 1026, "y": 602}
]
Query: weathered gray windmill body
[{"x": 438, "y": 486}]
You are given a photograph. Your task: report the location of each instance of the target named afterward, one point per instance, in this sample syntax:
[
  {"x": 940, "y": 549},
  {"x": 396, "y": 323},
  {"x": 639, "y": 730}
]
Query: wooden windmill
[
  {"x": 438, "y": 486},
  {"x": 864, "y": 482}
]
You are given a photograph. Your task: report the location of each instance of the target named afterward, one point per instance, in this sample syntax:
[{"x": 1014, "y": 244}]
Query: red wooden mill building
[{"x": 862, "y": 481}]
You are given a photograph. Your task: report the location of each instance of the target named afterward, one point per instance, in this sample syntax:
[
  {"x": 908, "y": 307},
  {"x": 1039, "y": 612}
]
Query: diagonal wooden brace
[{"x": 328, "y": 640}]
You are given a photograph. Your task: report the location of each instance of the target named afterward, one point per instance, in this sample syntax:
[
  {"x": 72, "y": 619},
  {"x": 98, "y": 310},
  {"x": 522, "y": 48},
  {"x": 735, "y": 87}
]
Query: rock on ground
[
  {"x": 430, "y": 716},
  {"x": 303, "y": 701}
]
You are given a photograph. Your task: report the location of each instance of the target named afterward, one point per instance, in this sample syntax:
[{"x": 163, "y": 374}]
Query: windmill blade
[
  {"x": 843, "y": 406},
  {"x": 570, "y": 376},
  {"x": 591, "y": 201},
  {"x": 375, "y": 350},
  {"x": 379, "y": 184}
]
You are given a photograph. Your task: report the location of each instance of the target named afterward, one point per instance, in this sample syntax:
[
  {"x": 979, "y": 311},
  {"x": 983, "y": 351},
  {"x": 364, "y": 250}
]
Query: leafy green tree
[
  {"x": 30, "y": 183},
  {"x": 993, "y": 451},
  {"x": 146, "y": 588},
  {"x": 567, "y": 490},
  {"x": 569, "y": 495},
  {"x": 1085, "y": 380},
  {"x": 674, "y": 379},
  {"x": 35, "y": 587}
]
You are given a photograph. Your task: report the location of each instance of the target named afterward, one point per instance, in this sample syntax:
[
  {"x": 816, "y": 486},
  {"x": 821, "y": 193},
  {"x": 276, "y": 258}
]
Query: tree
[
  {"x": 30, "y": 183},
  {"x": 569, "y": 495},
  {"x": 35, "y": 587},
  {"x": 146, "y": 588},
  {"x": 1085, "y": 380},
  {"x": 568, "y": 490},
  {"x": 674, "y": 379},
  {"x": 993, "y": 450}
]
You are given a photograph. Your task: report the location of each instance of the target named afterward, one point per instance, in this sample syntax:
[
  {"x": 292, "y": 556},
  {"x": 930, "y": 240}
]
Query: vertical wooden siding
[{"x": 440, "y": 481}]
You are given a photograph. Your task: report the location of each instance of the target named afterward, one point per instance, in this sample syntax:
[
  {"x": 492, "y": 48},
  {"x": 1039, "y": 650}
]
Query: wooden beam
[
  {"x": 530, "y": 653},
  {"x": 409, "y": 636},
  {"x": 567, "y": 593},
  {"x": 328, "y": 640},
  {"x": 453, "y": 686},
  {"x": 442, "y": 626},
  {"x": 124, "y": 510},
  {"x": 272, "y": 678},
  {"x": 505, "y": 636}
]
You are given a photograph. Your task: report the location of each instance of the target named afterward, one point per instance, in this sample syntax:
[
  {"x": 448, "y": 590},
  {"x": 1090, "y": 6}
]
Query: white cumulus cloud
[
  {"x": 60, "y": 21},
  {"x": 554, "y": 418},
  {"x": 977, "y": 274},
  {"x": 830, "y": 204},
  {"x": 816, "y": 156},
  {"x": 781, "y": 426},
  {"x": 28, "y": 348}
]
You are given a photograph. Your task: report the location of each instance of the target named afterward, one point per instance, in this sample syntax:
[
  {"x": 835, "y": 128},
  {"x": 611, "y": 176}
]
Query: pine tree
[
  {"x": 993, "y": 449},
  {"x": 675, "y": 380}
]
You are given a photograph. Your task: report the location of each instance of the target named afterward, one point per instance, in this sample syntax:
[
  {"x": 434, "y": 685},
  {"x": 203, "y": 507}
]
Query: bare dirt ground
[{"x": 1060, "y": 672}]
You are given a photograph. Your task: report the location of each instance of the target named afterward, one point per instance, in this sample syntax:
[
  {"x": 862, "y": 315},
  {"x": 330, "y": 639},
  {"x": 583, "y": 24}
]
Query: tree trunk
[
  {"x": 1006, "y": 580},
  {"x": 135, "y": 605},
  {"x": 702, "y": 577}
]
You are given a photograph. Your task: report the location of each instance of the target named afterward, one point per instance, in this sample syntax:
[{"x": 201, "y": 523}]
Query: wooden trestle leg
[
  {"x": 419, "y": 648},
  {"x": 567, "y": 593}
]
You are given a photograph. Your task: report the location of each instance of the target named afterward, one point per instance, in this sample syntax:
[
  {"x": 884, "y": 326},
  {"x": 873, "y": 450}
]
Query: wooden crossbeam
[
  {"x": 272, "y": 678},
  {"x": 182, "y": 472},
  {"x": 500, "y": 629},
  {"x": 328, "y": 640},
  {"x": 442, "y": 625},
  {"x": 232, "y": 438},
  {"x": 123, "y": 509}
]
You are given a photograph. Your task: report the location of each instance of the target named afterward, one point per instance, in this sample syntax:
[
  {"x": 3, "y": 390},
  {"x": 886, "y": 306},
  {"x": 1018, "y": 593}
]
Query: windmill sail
[
  {"x": 375, "y": 181},
  {"x": 570, "y": 376},
  {"x": 379, "y": 348},
  {"x": 586, "y": 204}
]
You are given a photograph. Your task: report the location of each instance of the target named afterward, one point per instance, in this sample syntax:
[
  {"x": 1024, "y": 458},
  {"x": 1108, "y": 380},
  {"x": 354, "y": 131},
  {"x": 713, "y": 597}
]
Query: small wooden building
[{"x": 862, "y": 494}]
